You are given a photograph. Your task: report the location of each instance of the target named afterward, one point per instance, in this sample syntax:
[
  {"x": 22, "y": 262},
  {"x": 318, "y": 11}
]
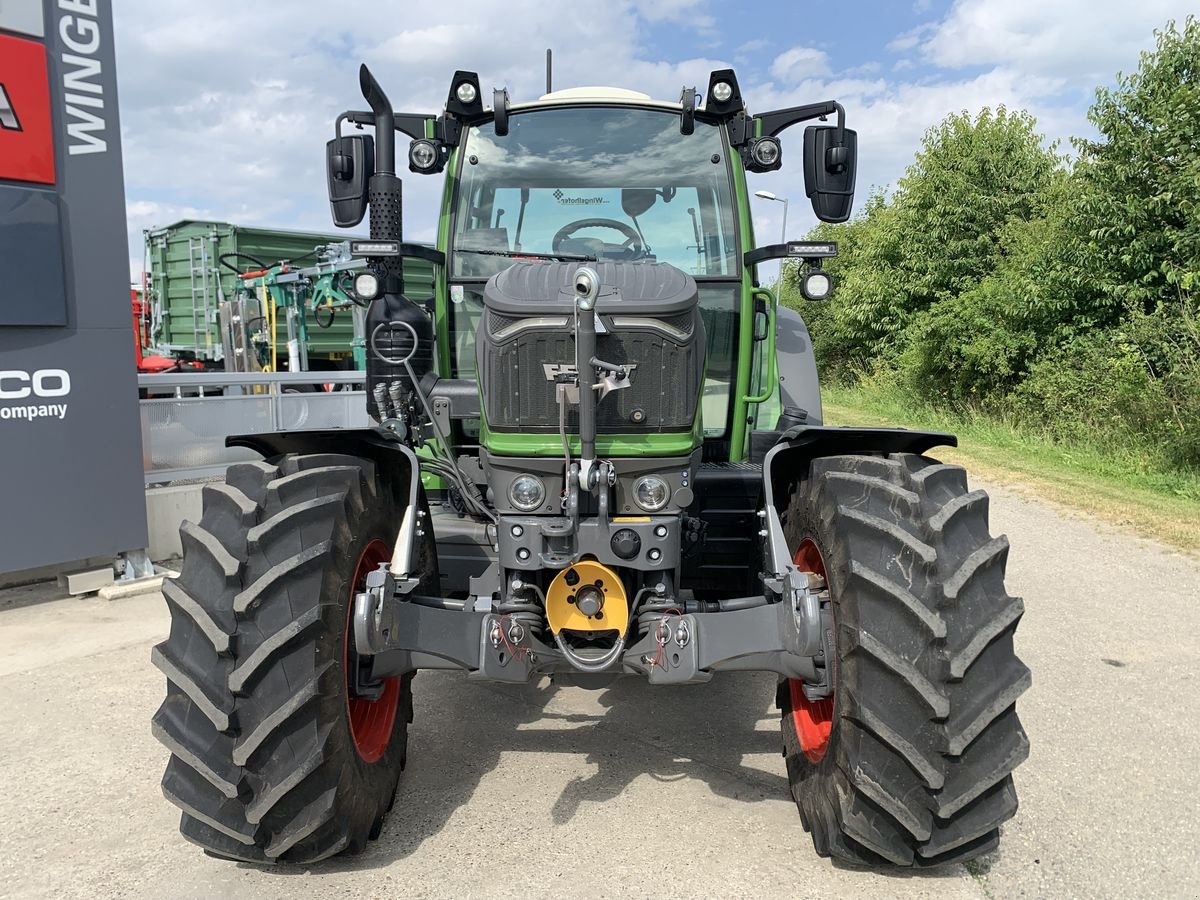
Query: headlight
[
  {"x": 527, "y": 492},
  {"x": 466, "y": 93},
  {"x": 722, "y": 91},
  {"x": 651, "y": 493},
  {"x": 366, "y": 285},
  {"x": 766, "y": 152},
  {"x": 422, "y": 155},
  {"x": 816, "y": 285}
]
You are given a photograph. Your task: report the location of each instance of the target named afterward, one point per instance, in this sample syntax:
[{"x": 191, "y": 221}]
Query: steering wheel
[{"x": 632, "y": 244}]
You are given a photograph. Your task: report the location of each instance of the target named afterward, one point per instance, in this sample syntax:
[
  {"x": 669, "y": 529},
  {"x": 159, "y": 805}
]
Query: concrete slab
[
  {"x": 166, "y": 509},
  {"x": 86, "y": 581}
]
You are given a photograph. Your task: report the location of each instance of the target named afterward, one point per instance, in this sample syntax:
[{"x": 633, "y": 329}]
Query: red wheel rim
[
  {"x": 813, "y": 719},
  {"x": 371, "y": 721}
]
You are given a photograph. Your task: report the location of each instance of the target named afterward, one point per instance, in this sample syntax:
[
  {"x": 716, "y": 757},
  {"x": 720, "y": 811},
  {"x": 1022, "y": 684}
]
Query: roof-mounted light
[
  {"x": 723, "y": 98},
  {"x": 464, "y": 100}
]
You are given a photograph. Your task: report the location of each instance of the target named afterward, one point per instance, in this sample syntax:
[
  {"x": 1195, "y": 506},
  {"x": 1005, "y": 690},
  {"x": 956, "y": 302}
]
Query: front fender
[
  {"x": 788, "y": 459},
  {"x": 395, "y": 462},
  {"x": 787, "y": 462}
]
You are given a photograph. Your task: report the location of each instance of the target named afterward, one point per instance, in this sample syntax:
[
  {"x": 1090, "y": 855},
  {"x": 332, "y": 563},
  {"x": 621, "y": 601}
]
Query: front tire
[
  {"x": 922, "y": 730},
  {"x": 273, "y": 757}
]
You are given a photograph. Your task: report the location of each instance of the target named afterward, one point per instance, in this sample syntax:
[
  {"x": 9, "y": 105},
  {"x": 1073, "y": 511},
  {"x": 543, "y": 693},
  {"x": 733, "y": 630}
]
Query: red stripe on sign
[{"x": 26, "y": 129}]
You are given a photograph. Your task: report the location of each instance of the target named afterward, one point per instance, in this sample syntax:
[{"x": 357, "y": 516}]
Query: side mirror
[
  {"x": 829, "y": 170},
  {"x": 350, "y": 163},
  {"x": 762, "y": 324}
]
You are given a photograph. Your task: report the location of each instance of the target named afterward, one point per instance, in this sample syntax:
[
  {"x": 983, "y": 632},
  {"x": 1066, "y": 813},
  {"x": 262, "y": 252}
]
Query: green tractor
[{"x": 599, "y": 453}]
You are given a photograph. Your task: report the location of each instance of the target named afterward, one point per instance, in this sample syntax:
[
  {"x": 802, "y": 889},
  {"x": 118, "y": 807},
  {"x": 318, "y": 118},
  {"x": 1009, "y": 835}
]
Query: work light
[
  {"x": 816, "y": 285},
  {"x": 466, "y": 93},
  {"x": 767, "y": 153},
  {"x": 422, "y": 156},
  {"x": 366, "y": 285},
  {"x": 723, "y": 98}
]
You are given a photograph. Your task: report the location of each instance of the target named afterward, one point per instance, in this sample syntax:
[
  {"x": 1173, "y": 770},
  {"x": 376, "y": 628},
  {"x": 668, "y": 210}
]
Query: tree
[
  {"x": 941, "y": 234},
  {"x": 1140, "y": 181}
]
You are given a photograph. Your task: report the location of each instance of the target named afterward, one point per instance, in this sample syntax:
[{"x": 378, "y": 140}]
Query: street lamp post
[{"x": 767, "y": 195}]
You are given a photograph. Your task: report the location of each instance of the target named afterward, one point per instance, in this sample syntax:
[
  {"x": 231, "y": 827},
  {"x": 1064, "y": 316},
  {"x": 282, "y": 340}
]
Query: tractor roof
[{"x": 595, "y": 94}]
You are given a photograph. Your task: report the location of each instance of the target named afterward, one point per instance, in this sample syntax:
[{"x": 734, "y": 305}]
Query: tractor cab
[
  {"x": 603, "y": 177},
  {"x": 599, "y": 175}
]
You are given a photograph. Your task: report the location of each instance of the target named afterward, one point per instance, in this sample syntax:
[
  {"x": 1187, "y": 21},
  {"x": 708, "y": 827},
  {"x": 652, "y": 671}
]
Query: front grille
[{"x": 665, "y": 382}]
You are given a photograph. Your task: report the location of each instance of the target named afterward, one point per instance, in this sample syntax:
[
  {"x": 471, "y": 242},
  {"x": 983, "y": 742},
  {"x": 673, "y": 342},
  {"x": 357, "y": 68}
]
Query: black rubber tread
[
  {"x": 925, "y": 735},
  {"x": 263, "y": 764}
]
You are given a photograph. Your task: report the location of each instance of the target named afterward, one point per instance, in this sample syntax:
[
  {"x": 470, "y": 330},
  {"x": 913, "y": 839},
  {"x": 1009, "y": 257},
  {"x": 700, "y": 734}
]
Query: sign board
[{"x": 70, "y": 436}]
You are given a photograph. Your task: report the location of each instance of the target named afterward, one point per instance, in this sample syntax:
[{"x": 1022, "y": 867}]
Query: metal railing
[{"x": 186, "y": 416}]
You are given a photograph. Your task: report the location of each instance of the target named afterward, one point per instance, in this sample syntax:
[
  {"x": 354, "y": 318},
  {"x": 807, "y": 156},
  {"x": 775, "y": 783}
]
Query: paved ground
[{"x": 545, "y": 791}]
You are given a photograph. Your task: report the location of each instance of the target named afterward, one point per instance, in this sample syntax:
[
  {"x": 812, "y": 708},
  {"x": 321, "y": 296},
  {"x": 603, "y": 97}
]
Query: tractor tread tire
[
  {"x": 263, "y": 763},
  {"x": 925, "y": 736}
]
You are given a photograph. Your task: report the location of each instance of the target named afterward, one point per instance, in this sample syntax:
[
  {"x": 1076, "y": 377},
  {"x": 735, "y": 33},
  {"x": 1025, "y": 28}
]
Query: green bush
[
  {"x": 998, "y": 280},
  {"x": 1133, "y": 386}
]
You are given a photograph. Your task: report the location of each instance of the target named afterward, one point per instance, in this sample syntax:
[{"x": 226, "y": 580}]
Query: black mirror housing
[
  {"x": 350, "y": 163},
  {"x": 830, "y": 166},
  {"x": 638, "y": 201}
]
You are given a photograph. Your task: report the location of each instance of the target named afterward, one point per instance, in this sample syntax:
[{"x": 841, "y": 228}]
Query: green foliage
[
  {"x": 1140, "y": 182},
  {"x": 998, "y": 280},
  {"x": 1140, "y": 380}
]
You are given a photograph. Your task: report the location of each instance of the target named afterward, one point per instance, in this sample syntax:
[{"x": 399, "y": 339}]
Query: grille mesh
[{"x": 665, "y": 382}]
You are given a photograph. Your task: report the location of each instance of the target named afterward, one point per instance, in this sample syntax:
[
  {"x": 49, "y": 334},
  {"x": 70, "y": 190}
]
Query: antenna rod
[{"x": 549, "y": 69}]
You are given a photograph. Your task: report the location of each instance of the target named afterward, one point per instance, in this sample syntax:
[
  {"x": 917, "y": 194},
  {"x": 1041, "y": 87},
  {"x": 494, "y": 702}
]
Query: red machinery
[{"x": 153, "y": 364}]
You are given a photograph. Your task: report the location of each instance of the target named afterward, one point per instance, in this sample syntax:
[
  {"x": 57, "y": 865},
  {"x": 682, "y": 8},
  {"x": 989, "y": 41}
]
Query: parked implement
[
  {"x": 632, "y": 476},
  {"x": 244, "y": 299}
]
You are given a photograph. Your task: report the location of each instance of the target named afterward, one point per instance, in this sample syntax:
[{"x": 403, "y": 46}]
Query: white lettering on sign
[
  {"x": 83, "y": 88},
  {"x": 17, "y": 385}
]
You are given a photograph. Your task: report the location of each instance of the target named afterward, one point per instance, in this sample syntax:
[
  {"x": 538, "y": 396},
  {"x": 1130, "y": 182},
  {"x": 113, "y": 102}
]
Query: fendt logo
[{"x": 44, "y": 384}]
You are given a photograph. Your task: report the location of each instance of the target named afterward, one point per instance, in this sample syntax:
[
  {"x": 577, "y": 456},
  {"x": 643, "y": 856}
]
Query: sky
[{"x": 226, "y": 106}]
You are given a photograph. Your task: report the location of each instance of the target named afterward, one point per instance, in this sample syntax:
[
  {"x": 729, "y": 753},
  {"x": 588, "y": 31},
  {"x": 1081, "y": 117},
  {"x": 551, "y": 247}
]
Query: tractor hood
[{"x": 628, "y": 288}]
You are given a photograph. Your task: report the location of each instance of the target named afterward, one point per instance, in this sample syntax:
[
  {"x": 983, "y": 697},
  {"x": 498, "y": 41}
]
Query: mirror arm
[
  {"x": 411, "y": 124},
  {"x": 809, "y": 251},
  {"x": 777, "y": 120}
]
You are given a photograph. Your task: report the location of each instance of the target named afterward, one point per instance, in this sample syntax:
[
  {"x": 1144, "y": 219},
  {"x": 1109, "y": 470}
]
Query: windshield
[{"x": 612, "y": 183}]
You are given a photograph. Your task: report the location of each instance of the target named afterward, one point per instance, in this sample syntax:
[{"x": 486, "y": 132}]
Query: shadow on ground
[{"x": 626, "y": 730}]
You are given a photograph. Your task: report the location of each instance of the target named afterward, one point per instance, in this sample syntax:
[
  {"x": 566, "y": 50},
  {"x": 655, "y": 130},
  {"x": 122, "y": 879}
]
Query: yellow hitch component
[{"x": 587, "y": 596}]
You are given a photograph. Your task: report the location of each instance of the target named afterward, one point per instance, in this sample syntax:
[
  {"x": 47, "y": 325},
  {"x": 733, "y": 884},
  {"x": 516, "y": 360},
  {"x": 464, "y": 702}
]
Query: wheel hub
[
  {"x": 813, "y": 719},
  {"x": 371, "y": 719}
]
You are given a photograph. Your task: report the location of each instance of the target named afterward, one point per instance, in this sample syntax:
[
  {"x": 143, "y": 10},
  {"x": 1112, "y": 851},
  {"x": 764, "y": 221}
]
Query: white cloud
[
  {"x": 754, "y": 46},
  {"x": 799, "y": 63},
  {"x": 680, "y": 12},
  {"x": 1072, "y": 38},
  {"x": 890, "y": 119},
  {"x": 908, "y": 39},
  {"x": 226, "y": 107}
]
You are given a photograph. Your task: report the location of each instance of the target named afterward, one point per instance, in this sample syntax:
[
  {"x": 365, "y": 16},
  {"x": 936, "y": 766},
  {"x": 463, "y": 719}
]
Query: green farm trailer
[{"x": 193, "y": 267}]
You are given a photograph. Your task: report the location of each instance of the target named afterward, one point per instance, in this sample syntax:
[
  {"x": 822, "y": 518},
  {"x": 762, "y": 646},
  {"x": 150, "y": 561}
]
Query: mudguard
[
  {"x": 396, "y": 463},
  {"x": 787, "y": 462}
]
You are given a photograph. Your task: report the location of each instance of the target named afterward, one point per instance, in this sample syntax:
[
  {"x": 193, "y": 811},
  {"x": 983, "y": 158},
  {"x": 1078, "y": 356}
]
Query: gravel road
[{"x": 634, "y": 791}]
